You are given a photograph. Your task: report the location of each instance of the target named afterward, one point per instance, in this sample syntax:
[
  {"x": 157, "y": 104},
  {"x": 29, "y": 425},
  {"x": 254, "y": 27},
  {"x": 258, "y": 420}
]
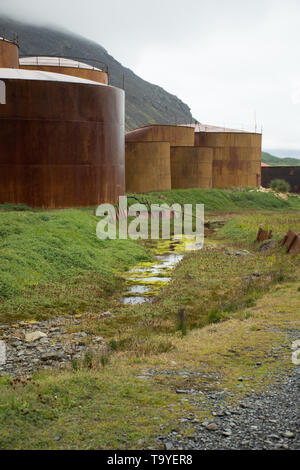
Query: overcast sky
[{"x": 227, "y": 59}]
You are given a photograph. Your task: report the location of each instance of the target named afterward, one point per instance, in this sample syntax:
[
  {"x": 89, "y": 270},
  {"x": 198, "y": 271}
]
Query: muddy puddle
[{"x": 145, "y": 279}]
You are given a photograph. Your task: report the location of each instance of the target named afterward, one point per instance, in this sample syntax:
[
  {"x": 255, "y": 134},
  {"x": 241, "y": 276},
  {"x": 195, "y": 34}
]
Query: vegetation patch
[
  {"x": 51, "y": 262},
  {"x": 232, "y": 200}
]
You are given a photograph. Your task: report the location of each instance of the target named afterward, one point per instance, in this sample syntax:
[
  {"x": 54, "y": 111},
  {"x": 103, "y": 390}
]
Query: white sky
[{"x": 227, "y": 59}]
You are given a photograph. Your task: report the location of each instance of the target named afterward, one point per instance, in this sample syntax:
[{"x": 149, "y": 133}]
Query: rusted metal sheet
[
  {"x": 9, "y": 54},
  {"x": 292, "y": 243},
  {"x": 66, "y": 67},
  {"x": 263, "y": 235},
  {"x": 147, "y": 166},
  {"x": 291, "y": 174},
  {"x": 61, "y": 142},
  {"x": 175, "y": 135},
  {"x": 191, "y": 167},
  {"x": 236, "y": 158}
]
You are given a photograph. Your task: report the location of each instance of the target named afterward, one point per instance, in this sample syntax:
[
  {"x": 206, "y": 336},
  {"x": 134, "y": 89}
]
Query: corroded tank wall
[
  {"x": 147, "y": 166},
  {"x": 291, "y": 174},
  {"x": 236, "y": 157},
  {"x": 88, "y": 74},
  {"x": 175, "y": 135},
  {"x": 61, "y": 141},
  {"x": 9, "y": 54},
  {"x": 191, "y": 167}
]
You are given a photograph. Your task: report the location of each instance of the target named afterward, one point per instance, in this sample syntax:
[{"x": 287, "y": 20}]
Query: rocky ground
[
  {"x": 268, "y": 421},
  {"x": 29, "y": 346}
]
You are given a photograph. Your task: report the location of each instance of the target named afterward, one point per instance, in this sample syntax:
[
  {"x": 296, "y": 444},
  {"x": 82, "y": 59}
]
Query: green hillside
[{"x": 276, "y": 161}]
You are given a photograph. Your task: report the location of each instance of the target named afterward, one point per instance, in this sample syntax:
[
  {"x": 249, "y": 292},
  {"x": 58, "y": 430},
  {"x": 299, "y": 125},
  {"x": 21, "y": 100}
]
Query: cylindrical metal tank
[
  {"x": 9, "y": 54},
  {"x": 61, "y": 141},
  {"x": 64, "y": 66},
  {"x": 191, "y": 167},
  {"x": 236, "y": 157},
  {"x": 291, "y": 174},
  {"x": 147, "y": 166},
  {"x": 175, "y": 135}
]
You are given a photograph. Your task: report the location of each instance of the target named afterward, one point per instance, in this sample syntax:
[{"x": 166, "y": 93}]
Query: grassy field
[
  {"x": 236, "y": 309},
  {"x": 232, "y": 323},
  {"x": 244, "y": 229},
  {"x": 51, "y": 262},
  {"x": 234, "y": 200}
]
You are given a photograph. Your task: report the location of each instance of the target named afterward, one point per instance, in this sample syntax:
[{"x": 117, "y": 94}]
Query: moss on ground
[
  {"x": 51, "y": 262},
  {"x": 236, "y": 310}
]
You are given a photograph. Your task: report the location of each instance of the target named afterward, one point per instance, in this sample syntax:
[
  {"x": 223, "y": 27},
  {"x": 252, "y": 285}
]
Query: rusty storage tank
[
  {"x": 191, "y": 167},
  {"x": 175, "y": 135},
  {"x": 61, "y": 140},
  {"x": 9, "y": 54},
  {"x": 290, "y": 174},
  {"x": 147, "y": 166},
  {"x": 66, "y": 67},
  {"x": 236, "y": 157}
]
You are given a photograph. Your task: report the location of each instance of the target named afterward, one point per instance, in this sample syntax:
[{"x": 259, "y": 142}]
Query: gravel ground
[
  {"x": 267, "y": 421},
  {"x": 28, "y": 347}
]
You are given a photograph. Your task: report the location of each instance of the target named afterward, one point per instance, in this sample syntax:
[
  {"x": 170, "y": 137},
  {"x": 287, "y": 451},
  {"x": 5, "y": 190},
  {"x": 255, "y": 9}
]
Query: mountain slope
[
  {"x": 145, "y": 103},
  {"x": 275, "y": 161}
]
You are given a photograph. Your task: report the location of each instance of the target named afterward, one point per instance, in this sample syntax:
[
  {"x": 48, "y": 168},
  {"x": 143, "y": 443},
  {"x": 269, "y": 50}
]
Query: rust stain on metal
[
  {"x": 175, "y": 135},
  {"x": 61, "y": 143},
  {"x": 9, "y": 54},
  {"x": 236, "y": 157},
  {"x": 287, "y": 173},
  {"x": 263, "y": 235},
  {"x": 81, "y": 71},
  {"x": 191, "y": 167},
  {"x": 292, "y": 243},
  {"x": 147, "y": 166}
]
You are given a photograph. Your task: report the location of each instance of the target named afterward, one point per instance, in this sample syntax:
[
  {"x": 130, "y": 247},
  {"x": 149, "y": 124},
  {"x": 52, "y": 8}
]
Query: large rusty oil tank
[
  {"x": 61, "y": 140},
  {"x": 236, "y": 157},
  {"x": 9, "y": 54},
  {"x": 191, "y": 167},
  {"x": 147, "y": 166},
  {"x": 65, "y": 66},
  {"x": 175, "y": 135}
]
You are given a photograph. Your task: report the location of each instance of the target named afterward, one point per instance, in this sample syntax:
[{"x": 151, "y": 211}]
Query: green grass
[
  {"x": 231, "y": 321},
  {"x": 52, "y": 262},
  {"x": 233, "y": 200},
  {"x": 85, "y": 408},
  {"x": 244, "y": 228}
]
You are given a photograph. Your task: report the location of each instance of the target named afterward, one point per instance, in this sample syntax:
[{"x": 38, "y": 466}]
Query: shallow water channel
[{"x": 145, "y": 279}]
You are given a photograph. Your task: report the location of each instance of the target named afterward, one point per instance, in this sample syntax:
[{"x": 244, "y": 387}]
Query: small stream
[{"x": 145, "y": 279}]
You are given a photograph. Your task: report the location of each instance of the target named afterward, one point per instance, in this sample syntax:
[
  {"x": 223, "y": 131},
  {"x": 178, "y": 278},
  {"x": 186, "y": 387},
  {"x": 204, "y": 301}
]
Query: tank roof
[
  {"x": 56, "y": 62},
  {"x": 20, "y": 74},
  {"x": 10, "y": 41},
  {"x": 209, "y": 128}
]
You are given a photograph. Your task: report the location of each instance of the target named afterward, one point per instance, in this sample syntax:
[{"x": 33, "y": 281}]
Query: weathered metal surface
[
  {"x": 263, "y": 235},
  {"x": 19, "y": 74},
  {"x": 191, "y": 167},
  {"x": 291, "y": 174},
  {"x": 9, "y": 54},
  {"x": 66, "y": 67},
  {"x": 61, "y": 143},
  {"x": 147, "y": 166},
  {"x": 175, "y": 135},
  {"x": 292, "y": 243},
  {"x": 236, "y": 158}
]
